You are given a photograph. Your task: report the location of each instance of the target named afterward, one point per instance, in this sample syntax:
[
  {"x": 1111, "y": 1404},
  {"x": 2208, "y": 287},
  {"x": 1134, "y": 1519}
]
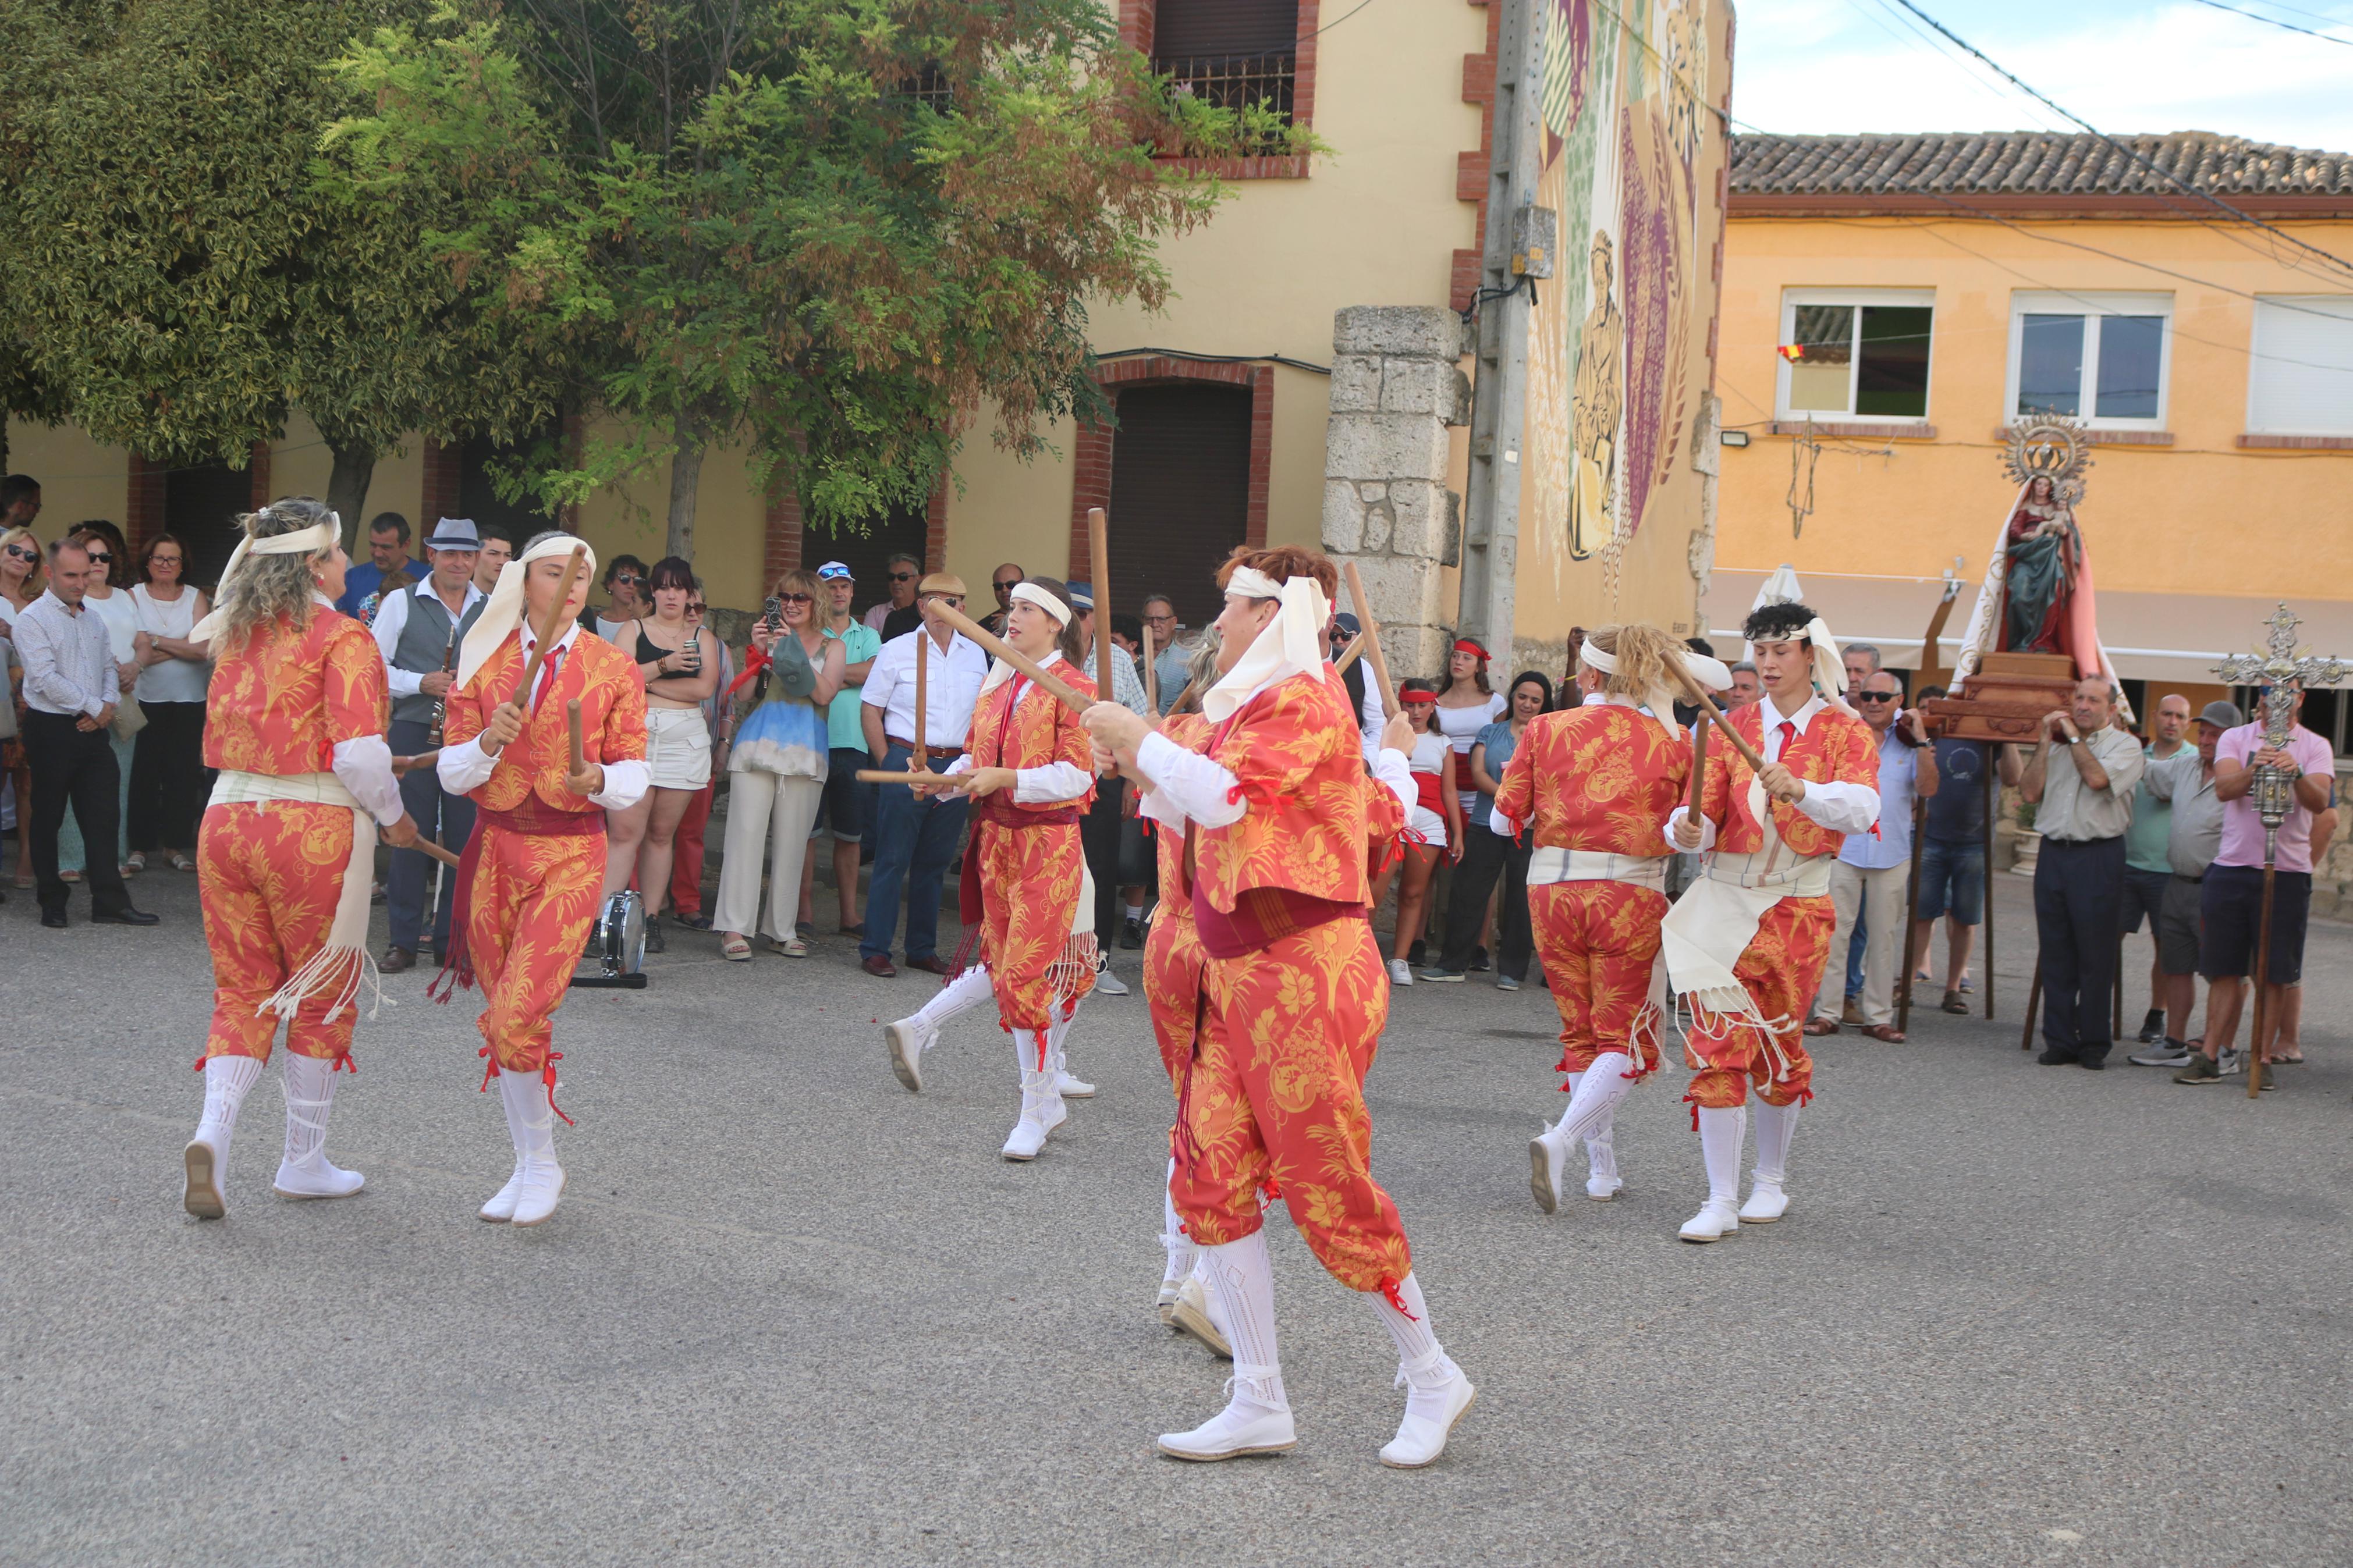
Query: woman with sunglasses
[
  {"x": 167, "y": 760},
  {"x": 679, "y": 664},
  {"x": 625, "y": 581},
  {"x": 109, "y": 562},
  {"x": 20, "y": 585},
  {"x": 776, "y": 770}
]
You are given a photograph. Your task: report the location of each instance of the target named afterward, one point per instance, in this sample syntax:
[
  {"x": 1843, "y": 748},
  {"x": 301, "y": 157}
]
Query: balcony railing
[{"x": 1236, "y": 81}]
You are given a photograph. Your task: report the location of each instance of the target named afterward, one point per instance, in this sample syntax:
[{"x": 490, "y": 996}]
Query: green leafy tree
[
  {"x": 183, "y": 265},
  {"x": 833, "y": 230}
]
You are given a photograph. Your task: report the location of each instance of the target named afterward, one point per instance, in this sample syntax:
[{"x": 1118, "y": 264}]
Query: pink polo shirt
[{"x": 2242, "y": 828}]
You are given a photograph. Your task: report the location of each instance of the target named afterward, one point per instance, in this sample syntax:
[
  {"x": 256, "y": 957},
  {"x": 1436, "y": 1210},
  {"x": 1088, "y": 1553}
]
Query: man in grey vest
[{"x": 418, "y": 625}]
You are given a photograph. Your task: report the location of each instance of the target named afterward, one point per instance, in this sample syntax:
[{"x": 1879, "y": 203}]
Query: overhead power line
[
  {"x": 2151, "y": 164},
  {"x": 2275, "y": 22}
]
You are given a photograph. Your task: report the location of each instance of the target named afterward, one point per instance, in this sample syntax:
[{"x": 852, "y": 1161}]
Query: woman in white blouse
[{"x": 168, "y": 758}]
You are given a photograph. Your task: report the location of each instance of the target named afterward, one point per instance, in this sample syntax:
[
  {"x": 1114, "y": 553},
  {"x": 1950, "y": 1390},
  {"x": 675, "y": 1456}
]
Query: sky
[{"x": 1837, "y": 66}]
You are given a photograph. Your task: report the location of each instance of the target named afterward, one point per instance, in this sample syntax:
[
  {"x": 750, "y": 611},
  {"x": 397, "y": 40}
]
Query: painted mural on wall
[{"x": 1628, "y": 110}]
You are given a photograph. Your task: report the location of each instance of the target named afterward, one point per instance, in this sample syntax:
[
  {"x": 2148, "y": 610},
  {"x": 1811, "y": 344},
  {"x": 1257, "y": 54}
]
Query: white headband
[
  {"x": 504, "y": 611},
  {"x": 319, "y": 536},
  {"x": 1599, "y": 657},
  {"x": 1029, "y": 593},
  {"x": 1710, "y": 674}
]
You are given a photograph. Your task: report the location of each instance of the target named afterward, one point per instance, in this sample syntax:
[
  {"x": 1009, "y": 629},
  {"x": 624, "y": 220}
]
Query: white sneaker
[
  {"x": 542, "y": 1185},
  {"x": 1713, "y": 1221},
  {"x": 1430, "y": 1417},
  {"x": 1041, "y": 1112},
  {"x": 1070, "y": 1088},
  {"x": 1545, "y": 1158},
  {"x": 1241, "y": 1427},
  {"x": 1766, "y": 1203},
  {"x": 1107, "y": 983},
  {"x": 1190, "y": 1315},
  {"x": 502, "y": 1206},
  {"x": 908, "y": 1039},
  {"x": 1400, "y": 971}
]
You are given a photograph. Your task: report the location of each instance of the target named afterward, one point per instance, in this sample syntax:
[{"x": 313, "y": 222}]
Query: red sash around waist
[
  {"x": 999, "y": 810},
  {"x": 534, "y": 818},
  {"x": 1262, "y": 917}
]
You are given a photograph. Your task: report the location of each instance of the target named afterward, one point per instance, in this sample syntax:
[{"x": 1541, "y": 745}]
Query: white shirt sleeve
[
  {"x": 1196, "y": 787},
  {"x": 464, "y": 767},
  {"x": 624, "y": 785},
  {"x": 391, "y": 619},
  {"x": 1842, "y": 807},
  {"x": 1395, "y": 770},
  {"x": 364, "y": 763},
  {"x": 1706, "y": 832},
  {"x": 1053, "y": 783}
]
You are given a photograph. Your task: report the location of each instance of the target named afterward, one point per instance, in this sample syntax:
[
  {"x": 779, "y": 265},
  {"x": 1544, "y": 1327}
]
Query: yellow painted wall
[{"x": 2200, "y": 517}]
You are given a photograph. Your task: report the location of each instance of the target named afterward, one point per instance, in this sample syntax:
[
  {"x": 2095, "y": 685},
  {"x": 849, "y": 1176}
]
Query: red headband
[{"x": 1467, "y": 646}]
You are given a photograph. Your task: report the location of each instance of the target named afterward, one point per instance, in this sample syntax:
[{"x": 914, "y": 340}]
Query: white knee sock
[
  {"x": 1596, "y": 1094},
  {"x": 1058, "y": 1036},
  {"x": 1720, "y": 1135},
  {"x": 1241, "y": 1276},
  {"x": 310, "y": 1086},
  {"x": 1775, "y": 1126},
  {"x": 227, "y": 1079},
  {"x": 1422, "y": 1361},
  {"x": 961, "y": 995}
]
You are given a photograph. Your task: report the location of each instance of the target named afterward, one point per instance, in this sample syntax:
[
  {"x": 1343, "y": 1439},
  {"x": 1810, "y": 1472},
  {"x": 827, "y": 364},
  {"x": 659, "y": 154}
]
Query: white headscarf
[
  {"x": 1830, "y": 669},
  {"x": 1291, "y": 644},
  {"x": 504, "y": 610},
  {"x": 310, "y": 541}
]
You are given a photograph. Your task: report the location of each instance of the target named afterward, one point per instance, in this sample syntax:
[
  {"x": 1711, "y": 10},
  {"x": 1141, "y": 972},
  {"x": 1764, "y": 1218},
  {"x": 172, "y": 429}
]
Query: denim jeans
[{"x": 914, "y": 842}]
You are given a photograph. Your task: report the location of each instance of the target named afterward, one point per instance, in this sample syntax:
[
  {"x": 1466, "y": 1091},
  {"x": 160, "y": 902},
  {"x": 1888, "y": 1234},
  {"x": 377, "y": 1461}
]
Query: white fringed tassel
[{"x": 343, "y": 966}]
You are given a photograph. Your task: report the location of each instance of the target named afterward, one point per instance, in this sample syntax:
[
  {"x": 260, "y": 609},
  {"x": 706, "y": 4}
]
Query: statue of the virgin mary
[{"x": 2037, "y": 596}]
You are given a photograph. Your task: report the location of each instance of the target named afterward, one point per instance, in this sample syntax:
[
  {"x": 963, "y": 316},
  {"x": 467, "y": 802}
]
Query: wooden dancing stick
[
  {"x": 1098, "y": 527},
  {"x": 923, "y": 702},
  {"x": 1371, "y": 637},
  {"x": 1699, "y": 766},
  {"x": 998, "y": 648},
  {"x": 404, "y": 767},
  {"x": 574, "y": 569},
  {"x": 572, "y": 723},
  {"x": 1349, "y": 655},
  {"x": 1151, "y": 677},
  {"x": 426, "y": 847},
  {"x": 1692, "y": 690}
]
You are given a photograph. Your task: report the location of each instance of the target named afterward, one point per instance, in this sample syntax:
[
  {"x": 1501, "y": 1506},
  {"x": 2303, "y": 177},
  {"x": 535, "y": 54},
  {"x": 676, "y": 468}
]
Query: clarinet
[{"x": 441, "y": 703}]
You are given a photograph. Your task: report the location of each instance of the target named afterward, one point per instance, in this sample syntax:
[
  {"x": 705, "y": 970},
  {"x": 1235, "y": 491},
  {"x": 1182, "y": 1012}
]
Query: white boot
[
  {"x": 304, "y": 1172},
  {"x": 1057, "y": 1036},
  {"x": 227, "y": 1079},
  {"x": 1766, "y": 1201},
  {"x": 538, "y": 1181},
  {"x": 1041, "y": 1106},
  {"x": 1257, "y": 1418},
  {"x": 1594, "y": 1094},
  {"x": 910, "y": 1037},
  {"x": 1437, "y": 1394},
  {"x": 1602, "y": 1182},
  {"x": 1720, "y": 1134},
  {"x": 502, "y": 1206}
]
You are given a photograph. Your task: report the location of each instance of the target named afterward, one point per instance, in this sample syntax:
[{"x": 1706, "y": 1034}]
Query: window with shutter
[
  {"x": 1232, "y": 53},
  {"x": 201, "y": 505},
  {"x": 2300, "y": 365},
  {"x": 1179, "y": 494}
]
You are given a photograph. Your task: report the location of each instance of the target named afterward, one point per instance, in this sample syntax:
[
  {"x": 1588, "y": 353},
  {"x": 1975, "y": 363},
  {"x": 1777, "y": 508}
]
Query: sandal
[
  {"x": 1953, "y": 1004},
  {"x": 136, "y": 864},
  {"x": 1818, "y": 1028},
  {"x": 2295, "y": 1061},
  {"x": 734, "y": 949},
  {"x": 788, "y": 947},
  {"x": 181, "y": 862}
]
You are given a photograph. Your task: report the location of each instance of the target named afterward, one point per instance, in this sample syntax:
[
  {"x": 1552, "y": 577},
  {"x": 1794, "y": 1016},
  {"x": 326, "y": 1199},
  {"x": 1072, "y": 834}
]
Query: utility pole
[{"x": 1517, "y": 249}]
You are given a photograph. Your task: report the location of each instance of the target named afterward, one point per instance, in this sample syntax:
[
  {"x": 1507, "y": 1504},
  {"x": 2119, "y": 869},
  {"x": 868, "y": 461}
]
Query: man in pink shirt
[{"x": 2231, "y": 906}]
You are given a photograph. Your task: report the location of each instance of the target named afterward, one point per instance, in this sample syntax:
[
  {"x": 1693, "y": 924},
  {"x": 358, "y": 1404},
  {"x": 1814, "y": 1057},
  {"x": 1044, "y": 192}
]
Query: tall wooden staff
[
  {"x": 1991, "y": 793},
  {"x": 1098, "y": 527},
  {"x": 997, "y": 646},
  {"x": 1150, "y": 676},
  {"x": 1370, "y": 635},
  {"x": 1912, "y": 922}
]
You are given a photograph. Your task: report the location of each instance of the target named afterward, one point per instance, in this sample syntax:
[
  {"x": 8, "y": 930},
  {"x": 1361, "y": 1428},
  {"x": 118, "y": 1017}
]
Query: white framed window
[
  {"x": 1854, "y": 353},
  {"x": 2099, "y": 358},
  {"x": 2300, "y": 365}
]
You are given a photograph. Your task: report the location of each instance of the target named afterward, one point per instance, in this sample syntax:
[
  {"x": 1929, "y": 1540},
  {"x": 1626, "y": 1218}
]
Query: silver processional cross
[{"x": 2282, "y": 674}]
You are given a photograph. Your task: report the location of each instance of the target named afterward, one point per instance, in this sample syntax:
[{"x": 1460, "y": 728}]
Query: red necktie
[
  {"x": 554, "y": 661},
  {"x": 1788, "y": 728}
]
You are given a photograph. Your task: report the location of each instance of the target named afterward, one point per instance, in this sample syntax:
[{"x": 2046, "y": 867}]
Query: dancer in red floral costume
[
  {"x": 295, "y": 723},
  {"x": 1745, "y": 943},
  {"x": 1274, "y": 813},
  {"x": 528, "y": 889}
]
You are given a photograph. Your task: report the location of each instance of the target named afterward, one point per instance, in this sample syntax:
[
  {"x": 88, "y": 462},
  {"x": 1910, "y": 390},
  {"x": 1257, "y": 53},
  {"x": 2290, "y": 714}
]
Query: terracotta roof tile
[{"x": 2031, "y": 162}]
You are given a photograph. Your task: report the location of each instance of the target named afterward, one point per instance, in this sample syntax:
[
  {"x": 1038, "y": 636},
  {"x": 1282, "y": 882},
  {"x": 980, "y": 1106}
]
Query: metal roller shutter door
[{"x": 1179, "y": 494}]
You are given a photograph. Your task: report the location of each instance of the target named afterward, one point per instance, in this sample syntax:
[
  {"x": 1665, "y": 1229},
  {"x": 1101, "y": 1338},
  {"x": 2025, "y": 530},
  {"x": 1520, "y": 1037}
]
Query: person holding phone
[{"x": 776, "y": 770}]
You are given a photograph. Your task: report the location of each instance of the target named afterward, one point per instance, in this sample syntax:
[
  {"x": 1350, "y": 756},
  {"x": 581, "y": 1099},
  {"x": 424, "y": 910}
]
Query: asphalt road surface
[{"x": 791, "y": 1313}]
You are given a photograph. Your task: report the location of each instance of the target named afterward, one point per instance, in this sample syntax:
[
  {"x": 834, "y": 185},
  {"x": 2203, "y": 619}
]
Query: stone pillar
[{"x": 1396, "y": 385}]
